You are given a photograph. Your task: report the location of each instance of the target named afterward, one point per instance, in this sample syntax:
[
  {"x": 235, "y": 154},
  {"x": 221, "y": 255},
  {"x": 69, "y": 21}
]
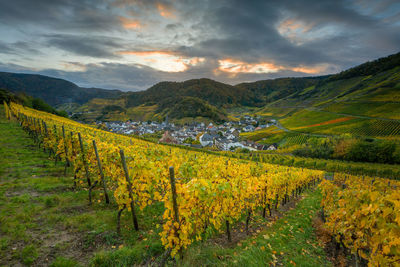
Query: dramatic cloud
[
  {"x": 92, "y": 46},
  {"x": 132, "y": 44}
]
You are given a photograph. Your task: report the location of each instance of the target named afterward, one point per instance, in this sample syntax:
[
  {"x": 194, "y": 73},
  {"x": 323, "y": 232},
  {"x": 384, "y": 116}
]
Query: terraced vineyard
[
  {"x": 331, "y": 124},
  {"x": 378, "y": 128},
  {"x": 296, "y": 139}
]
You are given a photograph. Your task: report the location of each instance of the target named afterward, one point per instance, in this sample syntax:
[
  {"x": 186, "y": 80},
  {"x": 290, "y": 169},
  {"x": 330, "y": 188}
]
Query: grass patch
[
  {"x": 290, "y": 241},
  {"x": 64, "y": 262},
  {"x": 29, "y": 254}
]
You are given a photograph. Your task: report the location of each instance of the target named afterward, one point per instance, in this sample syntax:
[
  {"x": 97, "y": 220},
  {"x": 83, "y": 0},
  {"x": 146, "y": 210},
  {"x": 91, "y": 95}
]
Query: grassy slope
[
  {"x": 289, "y": 241},
  {"x": 373, "y": 96},
  {"x": 306, "y": 118}
]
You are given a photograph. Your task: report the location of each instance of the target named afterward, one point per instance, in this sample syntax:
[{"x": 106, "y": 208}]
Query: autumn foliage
[
  {"x": 212, "y": 190},
  {"x": 363, "y": 214}
]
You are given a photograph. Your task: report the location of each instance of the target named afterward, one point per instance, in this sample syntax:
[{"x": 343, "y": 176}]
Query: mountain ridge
[{"x": 378, "y": 79}]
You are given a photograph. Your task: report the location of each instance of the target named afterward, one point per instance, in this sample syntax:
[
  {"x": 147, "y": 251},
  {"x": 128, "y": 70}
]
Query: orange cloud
[
  {"x": 130, "y": 23},
  {"x": 166, "y": 11},
  {"x": 311, "y": 70},
  {"x": 234, "y": 67},
  {"x": 163, "y": 60}
]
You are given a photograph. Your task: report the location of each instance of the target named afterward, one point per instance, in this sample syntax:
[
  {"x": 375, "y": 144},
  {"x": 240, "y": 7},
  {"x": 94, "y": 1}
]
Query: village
[{"x": 225, "y": 137}]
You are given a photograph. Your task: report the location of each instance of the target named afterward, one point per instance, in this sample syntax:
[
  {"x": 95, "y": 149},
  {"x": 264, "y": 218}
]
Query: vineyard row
[{"x": 198, "y": 190}]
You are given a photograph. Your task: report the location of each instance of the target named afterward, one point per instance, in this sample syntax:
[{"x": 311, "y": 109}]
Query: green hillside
[
  {"x": 363, "y": 101},
  {"x": 371, "y": 89},
  {"x": 268, "y": 91}
]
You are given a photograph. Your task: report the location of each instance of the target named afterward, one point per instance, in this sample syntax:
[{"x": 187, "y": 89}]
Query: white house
[{"x": 206, "y": 140}]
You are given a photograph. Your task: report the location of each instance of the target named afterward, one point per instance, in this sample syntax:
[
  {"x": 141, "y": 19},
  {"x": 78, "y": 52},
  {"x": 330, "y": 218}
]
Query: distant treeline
[{"x": 368, "y": 68}]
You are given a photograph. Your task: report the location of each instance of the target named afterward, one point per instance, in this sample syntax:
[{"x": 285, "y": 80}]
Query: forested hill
[
  {"x": 215, "y": 93},
  {"x": 267, "y": 91},
  {"x": 52, "y": 90},
  {"x": 219, "y": 94}
]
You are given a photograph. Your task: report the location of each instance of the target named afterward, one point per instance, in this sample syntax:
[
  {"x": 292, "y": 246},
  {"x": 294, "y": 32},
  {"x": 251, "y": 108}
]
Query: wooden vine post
[
  {"x": 45, "y": 128},
  {"x": 248, "y": 221},
  {"x": 72, "y": 153},
  {"x": 46, "y": 134},
  {"x": 84, "y": 160},
  {"x": 101, "y": 172},
  {"x": 67, "y": 164},
  {"x": 173, "y": 191},
  {"x": 228, "y": 231},
  {"x": 56, "y": 148},
  {"x": 264, "y": 213},
  {"x": 85, "y": 164},
  {"x": 119, "y": 219},
  {"x": 174, "y": 202},
  {"x": 135, "y": 222},
  {"x": 40, "y": 125},
  {"x": 35, "y": 134}
]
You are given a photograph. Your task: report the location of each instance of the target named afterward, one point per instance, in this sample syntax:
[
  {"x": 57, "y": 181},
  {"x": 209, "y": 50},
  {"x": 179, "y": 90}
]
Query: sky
[{"x": 133, "y": 44}]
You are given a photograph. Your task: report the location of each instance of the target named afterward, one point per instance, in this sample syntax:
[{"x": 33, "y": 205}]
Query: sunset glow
[
  {"x": 165, "y": 11},
  {"x": 235, "y": 66},
  {"x": 129, "y": 23},
  {"x": 311, "y": 70},
  {"x": 162, "y": 60}
]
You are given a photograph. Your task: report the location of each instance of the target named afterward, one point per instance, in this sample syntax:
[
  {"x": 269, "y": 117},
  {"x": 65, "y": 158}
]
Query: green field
[{"x": 370, "y": 109}]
